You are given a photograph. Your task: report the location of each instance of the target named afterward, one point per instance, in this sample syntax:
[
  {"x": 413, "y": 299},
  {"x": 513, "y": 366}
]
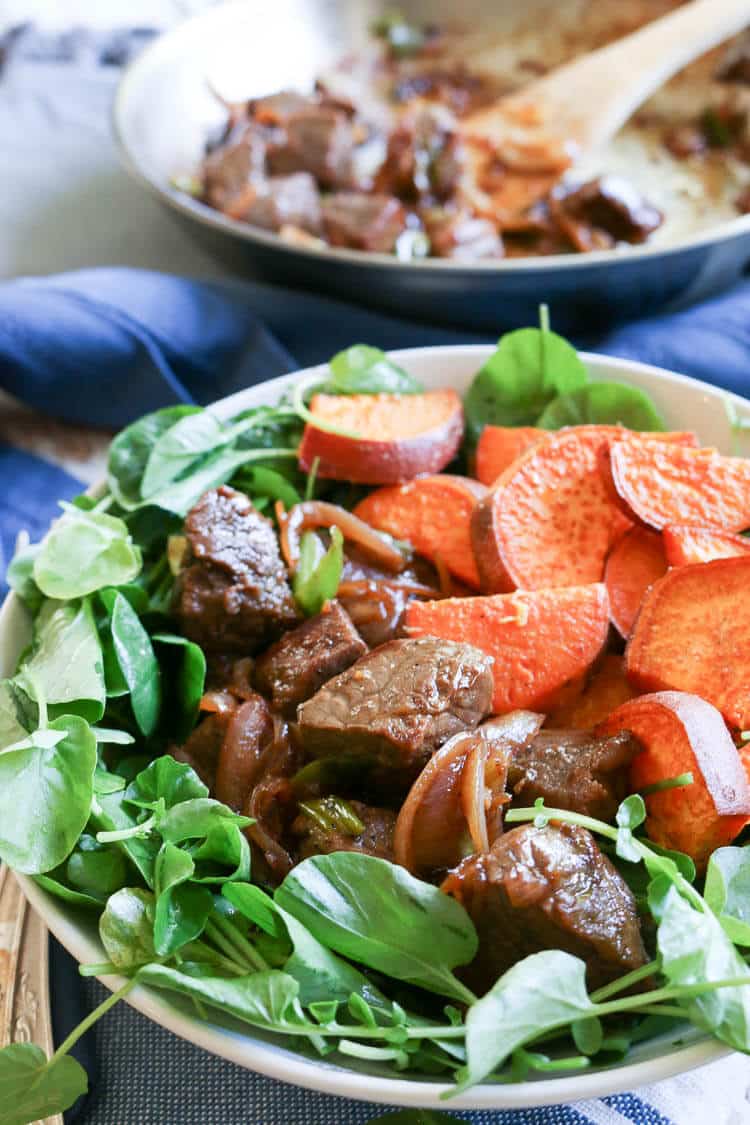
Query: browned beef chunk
[
  {"x": 318, "y": 139},
  {"x": 232, "y": 172},
  {"x": 234, "y": 594},
  {"x": 457, "y": 234},
  {"x": 277, "y": 109},
  {"x": 397, "y": 704},
  {"x": 303, "y": 659},
  {"x": 317, "y": 836},
  {"x": 375, "y": 600},
  {"x": 248, "y": 738},
  {"x": 283, "y": 201},
  {"x": 454, "y": 87},
  {"x": 422, "y": 161},
  {"x": 547, "y": 888},
  {"x": 573, "y": 770},
  {"x": 604, "y": 211},
  {"x": 363, "y": 222}
]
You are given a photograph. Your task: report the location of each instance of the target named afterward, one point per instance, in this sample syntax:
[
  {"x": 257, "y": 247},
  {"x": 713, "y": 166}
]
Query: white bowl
[{"x": 685, "y": 404}]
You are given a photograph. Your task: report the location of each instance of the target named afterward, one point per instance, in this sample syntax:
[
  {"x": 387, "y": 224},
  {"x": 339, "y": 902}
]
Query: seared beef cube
[
  {"x": 573, "y": 770},
  {"x": 235, "y": 594},
  {"x": 610, "y": 205},
  {"x": 317, "y": 139},
  {"x": 547, "y": 888},
  {"x": 456, "y": 234},
  {"x": 231, "y": 173},
  {"x": 422, "y": 161},
  {"x": 397, "y": 704},
  {"x": 302, "y": 660},
  {"x": 363, "y": 222},
  {"x": 283, "y": 201},
  {"x": 321, "y": 829}
]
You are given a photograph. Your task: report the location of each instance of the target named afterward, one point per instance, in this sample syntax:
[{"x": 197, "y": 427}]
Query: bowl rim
[
  {"x": 150, "y": 59},
  {"x": 279, "y": 1063}
]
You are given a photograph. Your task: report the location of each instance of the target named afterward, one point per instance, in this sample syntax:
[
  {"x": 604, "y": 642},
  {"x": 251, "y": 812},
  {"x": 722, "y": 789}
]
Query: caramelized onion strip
[{"x": 320, "y": 514}]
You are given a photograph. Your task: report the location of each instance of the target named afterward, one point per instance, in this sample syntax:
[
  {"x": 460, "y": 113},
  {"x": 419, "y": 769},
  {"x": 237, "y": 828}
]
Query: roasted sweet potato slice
[
  {"x": 693, "y": 634},
  {"x": 634, "y": 564},
  {"x": 398, "y": 437},
  {"x": 662, "y": 483},
  {"x": 682, "y": 733},
  {"x": 540, "y": 639},
  {"x": 549, "y": 520},
  {"x": 606, "y": 689},
  {"x": 691, "y": 543},
  {"x": 499, "y": 446},
  {"x": 434, "y": 515}
]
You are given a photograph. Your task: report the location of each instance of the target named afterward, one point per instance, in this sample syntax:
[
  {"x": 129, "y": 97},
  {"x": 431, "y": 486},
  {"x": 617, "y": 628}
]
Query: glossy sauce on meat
[
  {"x": 547, "y": 888},
  {"x": 400, "y": 702}
]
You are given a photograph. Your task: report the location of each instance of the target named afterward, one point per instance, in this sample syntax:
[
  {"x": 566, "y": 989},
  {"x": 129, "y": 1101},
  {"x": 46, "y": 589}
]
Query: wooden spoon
[{"x": 538, "y": 132}]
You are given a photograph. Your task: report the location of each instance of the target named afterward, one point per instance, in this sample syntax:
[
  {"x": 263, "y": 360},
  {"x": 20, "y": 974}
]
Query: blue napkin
[{"x": 104, "y": 346}]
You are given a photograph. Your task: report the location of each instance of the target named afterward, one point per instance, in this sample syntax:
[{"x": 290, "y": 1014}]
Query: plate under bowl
[{"x": 685, "y": 404}]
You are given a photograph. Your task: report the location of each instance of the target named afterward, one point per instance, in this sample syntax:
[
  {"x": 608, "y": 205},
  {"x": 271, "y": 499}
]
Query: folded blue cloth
[{"x": 104, "y": 346}]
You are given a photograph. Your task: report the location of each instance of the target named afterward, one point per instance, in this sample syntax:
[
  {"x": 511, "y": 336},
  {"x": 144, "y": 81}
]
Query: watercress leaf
[
  {"x": 65, "y": 661},
  {"x": 188, "y": 679},
  {"x": 376, "y": 913},
  {"x": 193, "y": 819},
  {"x": 130, "y": 450},
  {"x": 20, "y": 576},
  {"x": 264, "y": 999},
  {"x": 138, "y": 664},
  {"x": 602, "y": 404},
  {"x": 96, "y": 869},
  {"x": 45, "y": 797},
  {"x": 33, "y": 1088},
  {"x": 321, "y": 975},
  {"x": 263, "y": 482},
  {"x": 110, "y": 815},
  {"x": 126, "y": 928},
  {"x": 695, "y": 949},
  {"x": 225, "y": 847},
  {"x": 67, "y": 894},
  {"x": 316, "y": 583},
  {"x": 84, "y": 551},
  {"x": 543, "y": 992},
  {"x": 105, "y": 782},
  {"x": 18, "y": 713},
  {"x": 727, "y": 891},
  {"x": 528, "y": 369},
  {"x": 180, "y": 496},
  {"x": 683, "y": 863},
  {"x": 363, "y": 370},
  {"x": 165, "y": 779},
  {"x": 588, "y": 1035},
  {"x": 181, "y": 910},
  {"x": 630, "y": 814},
  {"x": 177, "y": 448}
]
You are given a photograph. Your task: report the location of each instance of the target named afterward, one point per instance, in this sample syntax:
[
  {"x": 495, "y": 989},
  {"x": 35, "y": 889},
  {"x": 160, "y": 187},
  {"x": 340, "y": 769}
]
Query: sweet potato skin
[
  {"x": 663, "y": 483},
  {"x": 540, "y": 639},
  {"x": 434, "y": 515},
  {"x": 549, "y": 519},
  {"x": 633, "y": 565},
  {"x": 606, "y": 688},
  {"x": 499, "y": 446},
  {"x": 691, "y": 543},
  {"x": 682, "y": 733},
  {"x": 693, "y": 635},
  {"x": 389, "y": 451}
]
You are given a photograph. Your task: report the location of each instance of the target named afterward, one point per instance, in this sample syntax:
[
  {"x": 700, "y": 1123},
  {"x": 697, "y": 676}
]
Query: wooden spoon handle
[
  {"x": 587, "y": 100},
  {"x": 25, "y": 1015}
]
